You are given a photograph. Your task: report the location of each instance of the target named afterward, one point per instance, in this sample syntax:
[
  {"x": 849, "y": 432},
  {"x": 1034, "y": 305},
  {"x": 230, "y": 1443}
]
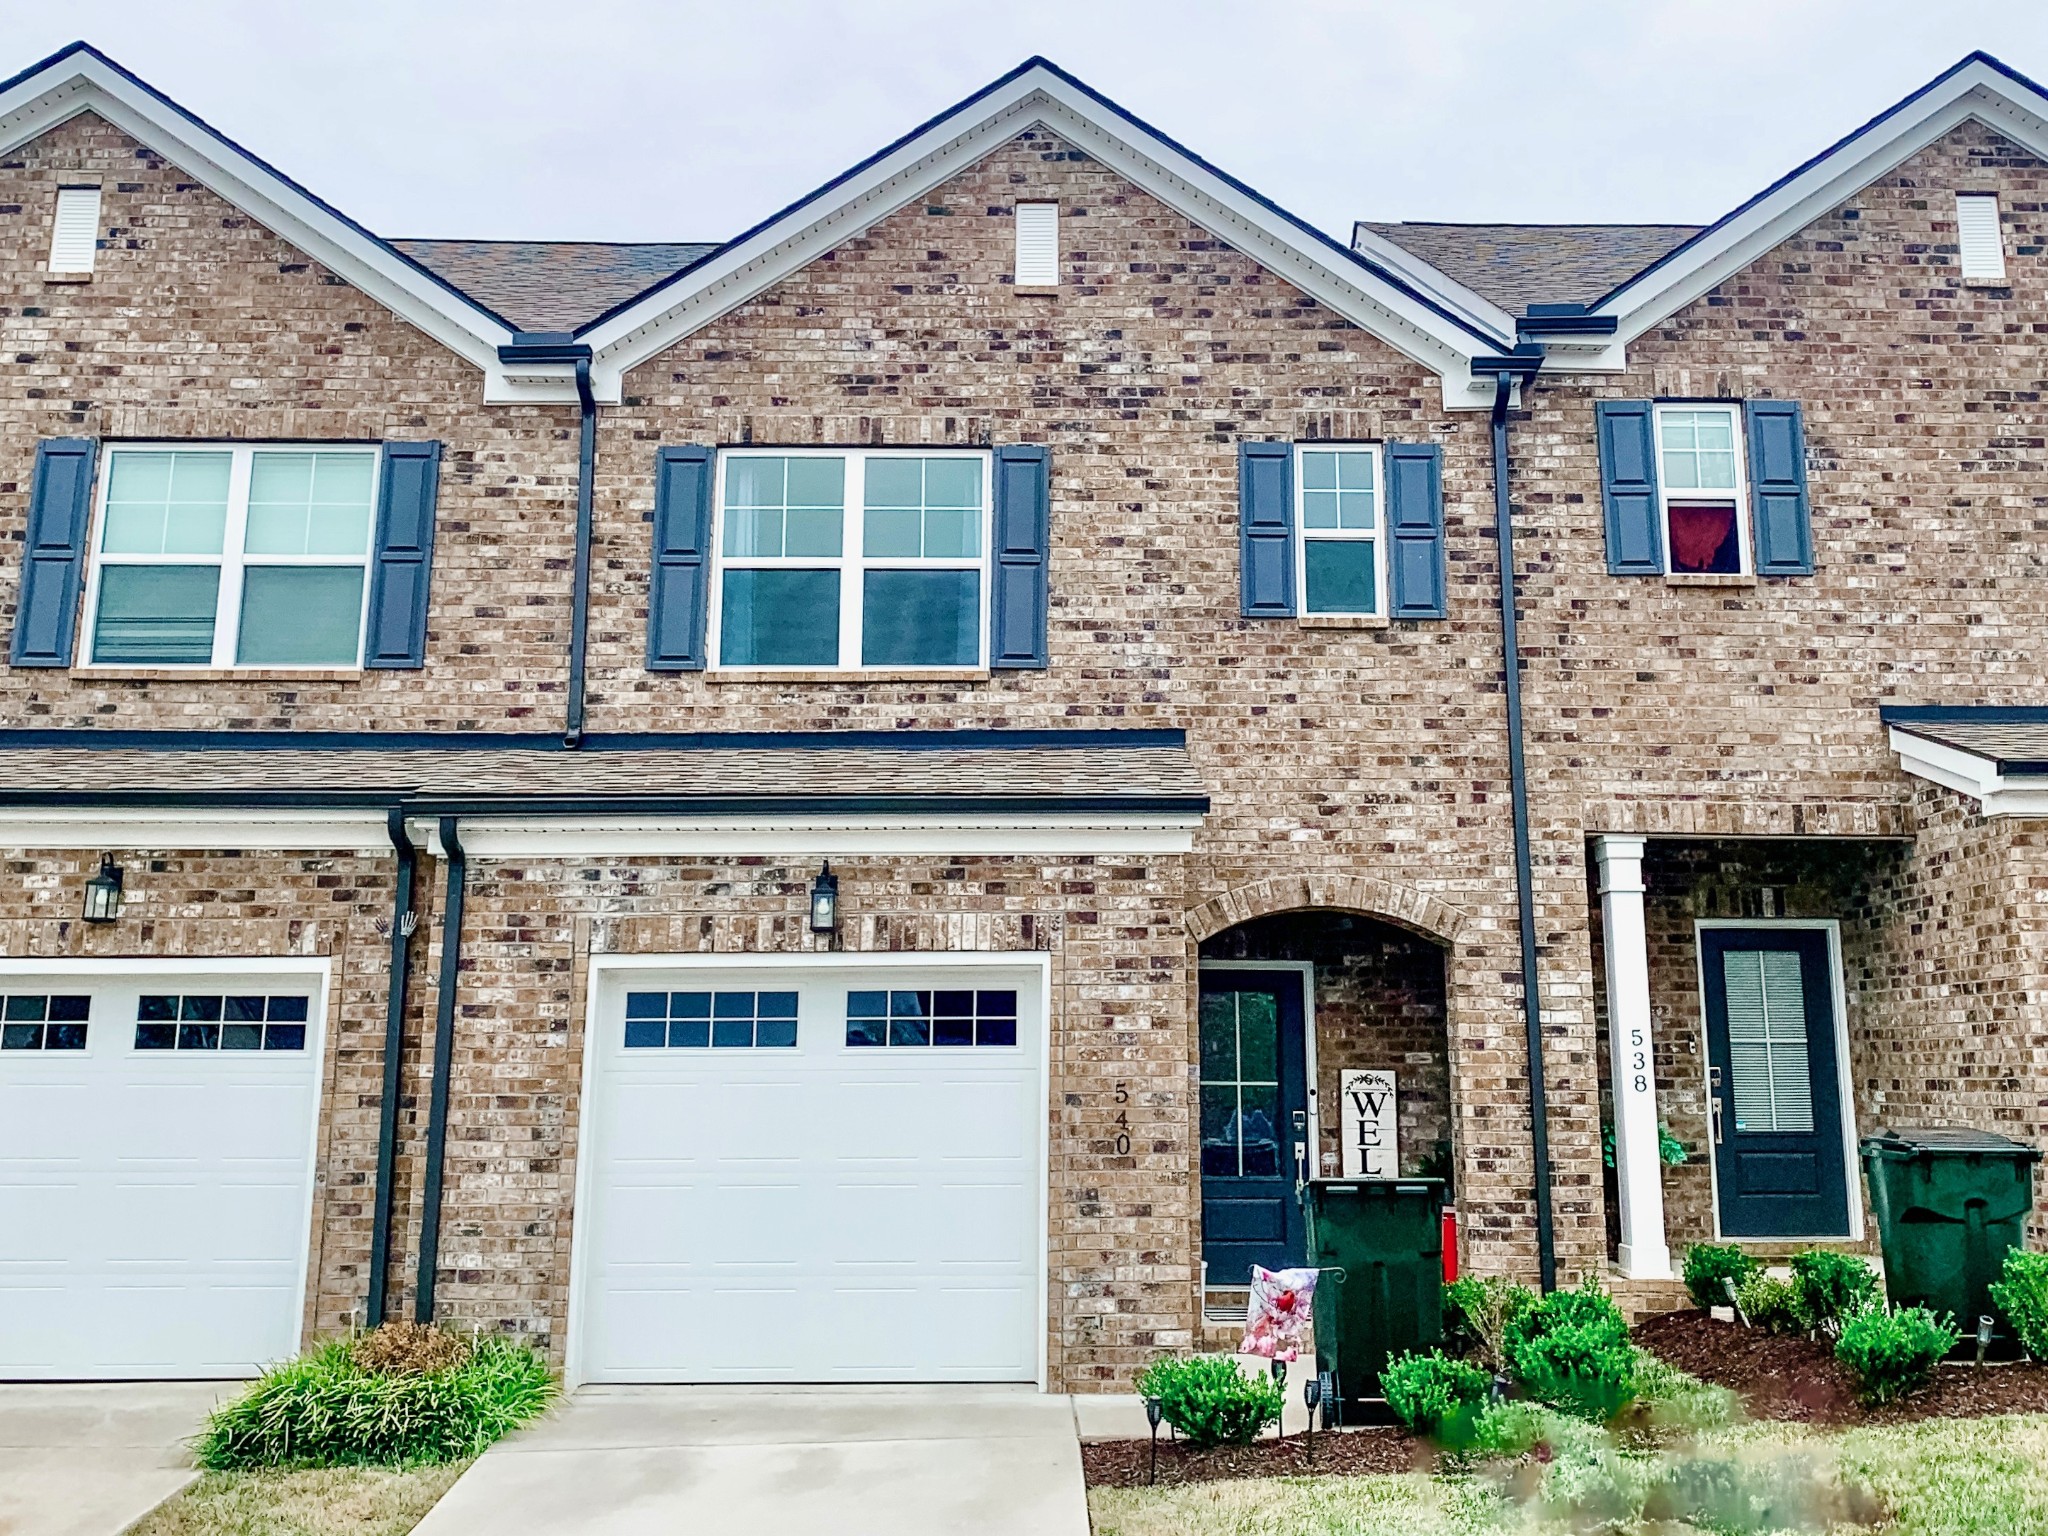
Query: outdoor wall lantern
[
  {"x": 103, "y": 893},
  {"x": 825, "y": 901}
]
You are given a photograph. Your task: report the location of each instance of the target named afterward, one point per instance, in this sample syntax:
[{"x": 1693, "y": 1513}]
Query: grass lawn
[
  {"x": 1937, "y": 1477},
  {"x": 337, "y": 1501}
]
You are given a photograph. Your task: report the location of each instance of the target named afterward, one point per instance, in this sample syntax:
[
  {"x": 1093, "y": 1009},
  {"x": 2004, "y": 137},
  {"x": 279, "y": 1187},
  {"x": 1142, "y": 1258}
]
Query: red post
[{"x": 1450, "y": 1243}]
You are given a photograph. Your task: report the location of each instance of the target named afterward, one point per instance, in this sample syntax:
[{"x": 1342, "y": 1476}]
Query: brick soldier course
[{"x": 1356, "y": 769}]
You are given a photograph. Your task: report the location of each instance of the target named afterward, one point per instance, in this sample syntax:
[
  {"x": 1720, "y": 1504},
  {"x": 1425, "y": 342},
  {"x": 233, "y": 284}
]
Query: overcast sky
[{"x": 603, "y": 119}]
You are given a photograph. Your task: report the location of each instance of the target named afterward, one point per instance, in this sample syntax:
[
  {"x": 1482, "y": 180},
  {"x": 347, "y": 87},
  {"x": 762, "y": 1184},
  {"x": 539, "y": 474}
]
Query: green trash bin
[
  {"x": 1380, "y": 1246},
  {"x": 1949, "y": 1204}
]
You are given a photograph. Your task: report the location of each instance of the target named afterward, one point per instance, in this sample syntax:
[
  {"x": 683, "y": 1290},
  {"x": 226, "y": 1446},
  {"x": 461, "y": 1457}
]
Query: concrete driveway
[
  {"x": 91, "y": 1460},
  {"x": 824, "y": 1461}
]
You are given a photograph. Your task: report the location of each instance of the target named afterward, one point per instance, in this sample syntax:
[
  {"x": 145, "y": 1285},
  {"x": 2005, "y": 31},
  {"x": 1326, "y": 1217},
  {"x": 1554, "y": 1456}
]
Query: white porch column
[{"x": 1639, "y": 1172}]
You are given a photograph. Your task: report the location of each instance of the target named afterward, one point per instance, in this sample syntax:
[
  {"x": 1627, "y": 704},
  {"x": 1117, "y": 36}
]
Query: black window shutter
[
  {"x": 1415, "y": 519},
  {"x": 678, "y": 590},
  {"x": 1265, "y": 517},
  {"x": 1628, "y": 487},
  {"x": 1777, "y": 488},
  {"x": 53, "y": 556},
  {"x": 400, "y": 568},
  {"x": 1023, "y": 543}
]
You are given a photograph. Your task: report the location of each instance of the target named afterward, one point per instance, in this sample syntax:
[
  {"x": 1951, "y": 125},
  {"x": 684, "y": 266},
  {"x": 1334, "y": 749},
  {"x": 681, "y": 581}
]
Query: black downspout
[
  {"x": 402, "y": 925},
  {"x": 444, "y": 1051},
  {"x": 1518, "y": 789},
  {"x": 579, "y": 617}
]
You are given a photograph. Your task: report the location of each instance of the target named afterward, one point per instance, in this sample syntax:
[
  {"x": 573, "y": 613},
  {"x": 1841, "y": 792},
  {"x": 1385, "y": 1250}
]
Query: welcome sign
[{"x": 1371, "y": 1138}]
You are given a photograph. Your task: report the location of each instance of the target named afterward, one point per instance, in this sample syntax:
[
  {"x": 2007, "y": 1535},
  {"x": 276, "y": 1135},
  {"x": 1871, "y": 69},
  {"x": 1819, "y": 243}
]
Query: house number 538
[{"x": 1639, "y": 1061}]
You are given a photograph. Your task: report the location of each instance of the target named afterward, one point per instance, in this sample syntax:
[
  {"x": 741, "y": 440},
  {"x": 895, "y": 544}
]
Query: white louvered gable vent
[
  {"x": 1038, "y": 245},
  {"x": 1979, "y": 238},
  {"x": 76, "y": 239}
]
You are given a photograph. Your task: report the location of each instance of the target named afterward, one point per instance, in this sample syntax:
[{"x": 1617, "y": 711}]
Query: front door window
[
  {"x": 1254, "y": 1099},
  {"x": 1779, "y": 1163}
]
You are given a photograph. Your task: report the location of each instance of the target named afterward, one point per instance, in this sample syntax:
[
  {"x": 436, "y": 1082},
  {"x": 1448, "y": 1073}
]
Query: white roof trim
[
  {"x": 1041, "y": 96},
  {"x": 1995, "y": 791},
  {"x": 1475, "y": 306},
  {"x": 80, "y": 79},
  {"x": 569, "y": 836},
  {"x": 1975, "y": 89},
  {"x": 266, "y": 830}
]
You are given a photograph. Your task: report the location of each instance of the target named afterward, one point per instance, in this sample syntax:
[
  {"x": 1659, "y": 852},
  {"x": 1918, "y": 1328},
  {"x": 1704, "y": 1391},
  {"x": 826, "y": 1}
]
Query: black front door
[
  {"x": 1254, "y": 1111},
  {"x": 1774, "y": 1084}
]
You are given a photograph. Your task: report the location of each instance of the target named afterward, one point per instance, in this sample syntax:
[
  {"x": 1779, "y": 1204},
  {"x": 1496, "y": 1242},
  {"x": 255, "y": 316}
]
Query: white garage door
[
  {"x": 156, "y": 1152},
  {"x": 813, "y": 1174}
]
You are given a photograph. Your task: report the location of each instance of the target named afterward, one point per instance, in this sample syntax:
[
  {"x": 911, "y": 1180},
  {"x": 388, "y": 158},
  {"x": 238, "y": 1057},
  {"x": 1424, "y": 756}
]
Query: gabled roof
[
  {"x": 554, "y": 285},
  {"x": 1978, "y": 88},
  {"x": 1516, "y": 265},
  {"x": 1040, "y": 94}
]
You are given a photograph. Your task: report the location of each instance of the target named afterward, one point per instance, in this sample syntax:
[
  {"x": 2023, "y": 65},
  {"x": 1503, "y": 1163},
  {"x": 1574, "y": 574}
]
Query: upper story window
[
  {"x": 1342, "y": 559},
  {"x": 231, "y": 556},
  {"x": 1702, "y": 490},
  {"x": 841, "y": 560}
]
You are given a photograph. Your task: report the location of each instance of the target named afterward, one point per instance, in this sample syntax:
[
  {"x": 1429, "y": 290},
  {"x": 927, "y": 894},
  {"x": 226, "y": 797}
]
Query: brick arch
[{"x": 1369, "y": 895}]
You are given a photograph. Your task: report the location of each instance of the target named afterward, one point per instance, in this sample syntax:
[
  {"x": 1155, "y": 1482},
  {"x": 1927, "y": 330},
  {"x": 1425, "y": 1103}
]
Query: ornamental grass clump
[
  {"x": 1209, "y": 1400},
  {"x": 403, "y": 1395}
]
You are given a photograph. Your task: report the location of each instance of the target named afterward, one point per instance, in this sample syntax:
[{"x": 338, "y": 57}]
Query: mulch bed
[
  {"x": 1343, "y": 1452},
  {"x": 1798, "y": 1379}
]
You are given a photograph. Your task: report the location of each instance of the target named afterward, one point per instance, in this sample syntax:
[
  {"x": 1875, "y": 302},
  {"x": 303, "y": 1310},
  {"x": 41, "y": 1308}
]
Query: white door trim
[
  {"x": 318, "y": 967},
  {"x": 604, "y": 965},
  {"x": 1845, "y": 1082}
]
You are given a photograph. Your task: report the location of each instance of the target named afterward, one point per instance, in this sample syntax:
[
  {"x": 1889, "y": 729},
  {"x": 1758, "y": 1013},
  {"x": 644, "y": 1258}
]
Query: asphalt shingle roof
[
  {"x": 2015, "y": 739},
  {"x": 1516, "y": 265},
  {"x": 553, "y": 285}
]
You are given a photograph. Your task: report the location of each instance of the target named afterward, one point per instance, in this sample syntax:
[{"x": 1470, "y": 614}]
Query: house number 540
[{"x": 1123, "y": 1120}]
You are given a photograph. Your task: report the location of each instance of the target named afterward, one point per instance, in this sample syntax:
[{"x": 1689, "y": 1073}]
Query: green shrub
[
  {"x": 327, "y": 1409},
  {"x": 1571, "y": 1350},
  {"x": 1678, "y": 1401},
  {"x": 1770, "y": 1303},
  {"x": 1210, "y": 1400},
  {"x": 1437, "y": 1396},
  {"x": 1828, "y": 1288},
  {"x": 1893, "y": 1352},
  {"x": 1478, "y": 1314},
  {"x": 1708, "y": 1264},
  {"x": 2021, "y": 1294}
]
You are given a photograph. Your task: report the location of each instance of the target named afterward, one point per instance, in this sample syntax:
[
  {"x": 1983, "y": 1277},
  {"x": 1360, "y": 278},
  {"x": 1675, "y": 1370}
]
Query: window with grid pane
[
  {"x": 847, "y": 560},
  {"x": 1240, "y": 1044},
  {"x": 232, "y": 556},
  {"x": 1339, "y": 526},
  {"x": 692, "y": 1020},
  {"x": 40, "y": 1021},
  {"x": 214, "y": 1021},
  {"x": 1701, "y": 483},
  {"x": 1767, "y": 1049},
  {"x": 914, "y": 1017}
]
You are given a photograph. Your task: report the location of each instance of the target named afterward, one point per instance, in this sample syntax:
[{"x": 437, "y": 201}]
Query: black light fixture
[
  {"x": 1312, "y": 1399},
  {"x": 825, "y": 901},
  {"x": 1155, "y": 1410},
  {"x": 103, "y": 893}
]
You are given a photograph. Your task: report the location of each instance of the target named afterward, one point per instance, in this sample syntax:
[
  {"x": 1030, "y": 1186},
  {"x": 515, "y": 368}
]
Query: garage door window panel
[
  {"x": 949, "y": 1018},
  {"x": 43, "y": 1022},
  {"x": 219, "y": 1022},
  {"x": 698, "y": 1020}
]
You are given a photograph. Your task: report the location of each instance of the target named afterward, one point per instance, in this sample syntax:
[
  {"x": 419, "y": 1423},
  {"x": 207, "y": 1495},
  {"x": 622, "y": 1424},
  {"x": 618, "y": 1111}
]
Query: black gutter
[
  {"x": 444, "y": 1051},
  {"x": 579, "y": 612},
  {"x": 402, "y": 922},
  {"x": 1523, "y": 365}
]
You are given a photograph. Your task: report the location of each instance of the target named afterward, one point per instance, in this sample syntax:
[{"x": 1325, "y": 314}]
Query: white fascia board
[
  {"x": 1974, "y": 91},
  {"x": 1041, "y": 97},
  {"x": 270, "y": 831},
  {"x": 83, "y": 81},
  {"x": 1996, "y": 792},
  {"x": 1477, "y": 308},
  {"x": 611, "y": 837}
]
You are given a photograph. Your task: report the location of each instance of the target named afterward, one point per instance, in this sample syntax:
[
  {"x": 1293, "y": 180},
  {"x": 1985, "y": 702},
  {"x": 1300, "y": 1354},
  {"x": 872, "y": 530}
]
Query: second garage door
[{"x": 813, "y": 1173}]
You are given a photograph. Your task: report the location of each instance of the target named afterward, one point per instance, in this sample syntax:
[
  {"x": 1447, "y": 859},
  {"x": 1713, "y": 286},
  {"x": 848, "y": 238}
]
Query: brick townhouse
[{"x": 832, "y": 804}]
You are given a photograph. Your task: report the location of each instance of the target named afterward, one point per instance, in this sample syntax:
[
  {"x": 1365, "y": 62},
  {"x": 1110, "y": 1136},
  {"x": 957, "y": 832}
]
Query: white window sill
[
  {"x": 1710, "y": 579},
  {"x": 757, "y": 675},
  {"x": 1344, "y": 621},
  {"x": 120, "y": 674}
]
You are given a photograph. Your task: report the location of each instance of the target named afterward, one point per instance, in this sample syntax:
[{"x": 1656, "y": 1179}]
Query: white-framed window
[
  {"x": 1339, "y": 520},
  {"x": 1980, "y": 239},
  {"x": 851, "y": 559},
  {"x": 231, "y": 555},
  {"x": 75, "y": 235},
  {"x": 1038, "y": 245},
  {"x": 1703, "y": 488}
]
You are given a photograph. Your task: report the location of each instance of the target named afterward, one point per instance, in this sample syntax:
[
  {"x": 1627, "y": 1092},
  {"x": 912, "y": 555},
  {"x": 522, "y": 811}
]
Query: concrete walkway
[
  {"x": 91, "y": 1460},
  {"x": 823, "y": 1461}
]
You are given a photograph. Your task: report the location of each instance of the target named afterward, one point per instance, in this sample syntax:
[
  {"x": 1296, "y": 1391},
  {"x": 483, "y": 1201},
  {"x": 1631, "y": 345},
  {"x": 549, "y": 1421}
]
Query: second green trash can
[
  {"x": 1950, "y": 1202},
  {"x": 1387, "y": 1238}
]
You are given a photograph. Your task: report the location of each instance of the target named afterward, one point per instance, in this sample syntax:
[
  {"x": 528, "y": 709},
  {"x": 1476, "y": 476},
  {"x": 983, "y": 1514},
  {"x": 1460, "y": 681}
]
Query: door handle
[{"x": 1714, "y": 1115}]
